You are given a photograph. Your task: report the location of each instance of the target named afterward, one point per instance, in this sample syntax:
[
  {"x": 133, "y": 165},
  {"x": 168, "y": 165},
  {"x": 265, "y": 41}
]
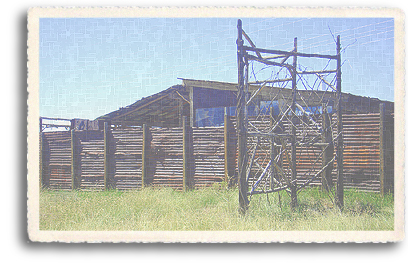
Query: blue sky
[{"x": 92, "y": 66}]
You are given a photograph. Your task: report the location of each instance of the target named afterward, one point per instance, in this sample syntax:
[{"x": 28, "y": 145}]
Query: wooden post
[
  {"x": 74, "y": 177},
  {"x": 383, "y": 183},
  {"x": 293, "y": 188},
  {"x": 41, "y": 178},
  {"x": 327, "y": 182},
  {"x": 272, "y": 147},
  {"x": 192, "y": 107},
  {"x": 43, "y": 182},
  {"x": 227, "y": 149},
  {"x": 339, "y": 185},
  {"x": 187, "y": 181},
  {"x": 106, "y": 162},
  {"x": 145, "y": 150},
  {"x": 180, "y": 112},
  {"x": 41, "y": 124},
  {"x": 241, "y": 128},
  {"x": 272, "y": 158}
]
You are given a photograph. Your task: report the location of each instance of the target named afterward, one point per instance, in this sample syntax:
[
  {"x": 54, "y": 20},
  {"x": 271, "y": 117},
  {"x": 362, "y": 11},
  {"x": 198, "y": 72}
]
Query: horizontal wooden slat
[{"x": 361, "y": 154}]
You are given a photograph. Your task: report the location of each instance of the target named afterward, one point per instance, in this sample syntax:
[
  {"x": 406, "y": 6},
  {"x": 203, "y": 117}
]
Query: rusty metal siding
[
  {"x": 90, "y": 146},
  {"x": 389, "y": 149},
  {"x": 57, "y": 160},
  {"x": 165, "y": 164},
  {"x": 165, "y": 156},
  {"x": 126, "y": 164},
  {"x": 308, "y": 159},
  {"x": 361, "y": 152},
  {"x": 208, "y": 156}
]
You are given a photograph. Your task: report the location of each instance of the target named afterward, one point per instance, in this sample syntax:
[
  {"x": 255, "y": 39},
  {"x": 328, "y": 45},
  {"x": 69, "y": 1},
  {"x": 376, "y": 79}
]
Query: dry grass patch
[{"x": 211, "y": 209}]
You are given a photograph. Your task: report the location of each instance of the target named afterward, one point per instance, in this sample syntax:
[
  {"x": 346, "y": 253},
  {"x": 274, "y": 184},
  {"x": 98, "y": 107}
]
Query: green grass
[{"x": 210, "y": 209}]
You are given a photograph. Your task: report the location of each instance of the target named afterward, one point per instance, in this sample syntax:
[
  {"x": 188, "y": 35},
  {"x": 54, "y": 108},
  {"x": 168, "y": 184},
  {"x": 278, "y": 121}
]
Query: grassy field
[{"x": 210, "y": 209}]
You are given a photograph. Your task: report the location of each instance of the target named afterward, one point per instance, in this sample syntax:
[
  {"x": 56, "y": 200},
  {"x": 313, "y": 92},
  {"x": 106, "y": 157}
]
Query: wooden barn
[
  {"x": 204, "y": 103},
  {"x": 185, "y": 137}
]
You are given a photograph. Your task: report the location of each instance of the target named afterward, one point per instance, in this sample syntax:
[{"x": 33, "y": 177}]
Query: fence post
[
  {"x": 145, "y": 150},
  {"x": 339, "y": 185},
  {"x": 293, "y": 185},
  {"x": 106, "y": 162},
  {"x": 383, "y": 182},
  {"x": 241, "y": 126},
  {"x": 272, "y": 147},
  {"x": 227, "y": 149},
  {"x": 74, "y": 178},
  {"x": 180, "y": 112},
  {"x": 187, "y": 181},
  {"x": 192, "y": 108},
  {"x": 41, "y": 161},
  {"x": 327, "y": 182},
  {"x": 43, "y": 181}
]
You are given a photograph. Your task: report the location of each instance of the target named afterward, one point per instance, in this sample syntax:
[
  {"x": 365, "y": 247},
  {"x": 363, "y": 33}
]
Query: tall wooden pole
[
  {"x": 242, "y": 184},
  {"x": 192, "y": 108},
  {"x": 42, "y": 175},
  {"x": 327, "y": 182},
  {"x": 228, "y": 174},
  {"x": 271, "y": 148},
  {"x": 145, "y": 149},
  {"x": 383, "y": 183},
  {"x": 42, "y": 180},
  {"x": 293, "y": 202},
  {"x": 106, "y": 158},
  {"x": 74, "y": 177},
  {"x": 180, "y": 112},
  {"x": 339, "y": 185},
  {"x": 187, "y": 174}
]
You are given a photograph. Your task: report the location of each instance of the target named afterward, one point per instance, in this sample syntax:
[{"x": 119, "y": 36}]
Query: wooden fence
[{"x": 183, "y": 158}]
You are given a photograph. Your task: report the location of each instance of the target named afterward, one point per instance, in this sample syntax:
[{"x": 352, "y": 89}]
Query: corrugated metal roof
[
  {"x": 163, "y": 109},
  {"x": 162, "y": 104}
]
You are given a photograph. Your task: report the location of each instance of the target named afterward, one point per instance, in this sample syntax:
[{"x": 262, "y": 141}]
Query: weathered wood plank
[{"x": 74, "y": 178}]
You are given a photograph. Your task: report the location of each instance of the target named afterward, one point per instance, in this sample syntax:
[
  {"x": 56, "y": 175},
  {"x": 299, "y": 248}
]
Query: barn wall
[
  {"x": 208, "y": 156},
  {"x": 90, "y": 157},
  {"x": 361, "y": 155},
  {"x": 206, "y": 160},
  {"x": 165, "y": 159},
  {"x": 126, "y": 158},
  {"x": 57, "y": 160}
]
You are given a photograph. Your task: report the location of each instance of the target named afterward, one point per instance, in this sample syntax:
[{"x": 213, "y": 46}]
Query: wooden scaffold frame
[{"x": 287, "y": 141}]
